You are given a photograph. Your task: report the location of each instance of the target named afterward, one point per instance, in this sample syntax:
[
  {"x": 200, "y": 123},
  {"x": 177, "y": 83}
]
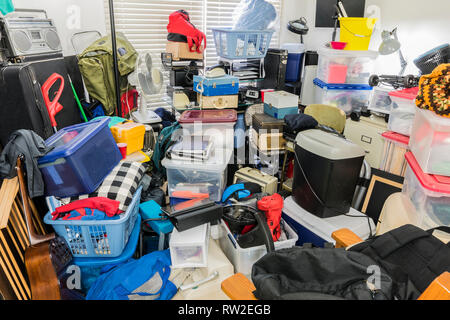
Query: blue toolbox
[
  {"x": 220, "y": 86},
  {"x": 278, "y": 104}
]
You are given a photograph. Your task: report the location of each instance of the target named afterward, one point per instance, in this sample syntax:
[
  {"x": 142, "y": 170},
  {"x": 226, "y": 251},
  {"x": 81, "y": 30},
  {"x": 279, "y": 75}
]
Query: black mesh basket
[{"x": 428, "y": 61}]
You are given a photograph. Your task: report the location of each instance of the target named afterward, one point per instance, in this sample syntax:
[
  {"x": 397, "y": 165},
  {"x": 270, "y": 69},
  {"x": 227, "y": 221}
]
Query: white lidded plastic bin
[
  {"x": 430, "y": 142},
  {"x": 348, "y": 97},
  {"x": 345, "y": 66},
  {"x": 243, "y": 259},
  {"x": 218, "y": 124},
  {"x": 403, "y": 110},
  {"x": 430, "y": 195},
  {"x": 312, "y": 229},
  {"x": 207, "y": 176},
  {"x": 189, "y": 249},
  {"x": 380, "y": 101}
]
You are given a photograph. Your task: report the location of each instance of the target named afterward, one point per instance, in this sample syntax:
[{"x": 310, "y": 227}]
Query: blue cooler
[
  {"x": 315, "y": 230},
  {"x": 220, "y": 86},
  {"x": 296, "y": 52},
  {"x": 83, "y": 156}
]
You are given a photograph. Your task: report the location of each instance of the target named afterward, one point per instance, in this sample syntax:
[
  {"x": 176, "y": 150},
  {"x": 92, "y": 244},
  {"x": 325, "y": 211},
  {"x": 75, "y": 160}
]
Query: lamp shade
[{"x": 390, "y": 43}]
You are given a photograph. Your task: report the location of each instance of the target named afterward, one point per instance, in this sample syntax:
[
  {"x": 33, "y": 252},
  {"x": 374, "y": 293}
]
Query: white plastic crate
[
  {"x": 243, "y": 259},
  {"x": 189, "y": 249},
  {"x": 430, "y": 142},
  {"x": 345, "y": 66}
]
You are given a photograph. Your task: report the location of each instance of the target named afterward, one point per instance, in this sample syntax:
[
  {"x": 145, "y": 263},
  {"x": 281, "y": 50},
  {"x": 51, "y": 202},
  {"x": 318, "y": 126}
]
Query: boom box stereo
[{"x": 29, "y": 33}]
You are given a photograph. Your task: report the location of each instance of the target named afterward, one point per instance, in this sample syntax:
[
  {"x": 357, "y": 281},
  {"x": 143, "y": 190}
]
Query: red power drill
[{"x": 272, "y": 206}]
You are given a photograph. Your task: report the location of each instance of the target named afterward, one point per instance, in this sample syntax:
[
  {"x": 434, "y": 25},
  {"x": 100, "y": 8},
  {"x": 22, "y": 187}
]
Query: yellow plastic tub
[
  {"x": 130, "y": 133},
  {"x": 357, "y": 32}
]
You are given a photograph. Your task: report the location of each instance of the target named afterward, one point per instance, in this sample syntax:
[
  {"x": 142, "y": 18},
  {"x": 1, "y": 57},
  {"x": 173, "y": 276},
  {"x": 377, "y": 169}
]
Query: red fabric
[
  {"x": 129, "y": 101},
  {"x": 179, "y": 22},
  {"x": 108, "y": 206}
]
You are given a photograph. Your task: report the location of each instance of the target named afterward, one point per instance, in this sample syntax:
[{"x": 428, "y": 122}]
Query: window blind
[{"x": 144, "y": 23}]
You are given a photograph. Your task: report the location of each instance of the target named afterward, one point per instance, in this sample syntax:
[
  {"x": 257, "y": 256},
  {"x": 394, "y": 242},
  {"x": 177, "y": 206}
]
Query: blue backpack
[{"x": 117, "y": 282}]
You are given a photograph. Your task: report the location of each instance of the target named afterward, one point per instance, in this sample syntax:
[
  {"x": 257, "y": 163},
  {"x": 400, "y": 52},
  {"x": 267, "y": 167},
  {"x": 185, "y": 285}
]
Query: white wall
[
  {"x": 70, "y": 16},
  {"x": 422, "y": 25}
]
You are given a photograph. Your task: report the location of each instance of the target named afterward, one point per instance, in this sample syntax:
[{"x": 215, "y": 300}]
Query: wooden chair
[
  {"x": 14, "y": 240},
  {"x": 239, "y": 287},
  {"x": 327, "y": 115}
]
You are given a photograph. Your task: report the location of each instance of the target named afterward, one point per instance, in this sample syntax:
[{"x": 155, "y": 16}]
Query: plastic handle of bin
[{"x": 199, "y": 283}]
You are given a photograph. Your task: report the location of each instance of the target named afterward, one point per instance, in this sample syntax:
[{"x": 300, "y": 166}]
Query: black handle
[{"x": 262, "y": 221}]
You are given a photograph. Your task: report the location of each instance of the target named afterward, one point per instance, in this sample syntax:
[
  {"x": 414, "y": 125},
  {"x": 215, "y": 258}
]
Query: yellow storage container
[
  {"x": 357, "y": 32},
  {"x": 130, "y": 133}
]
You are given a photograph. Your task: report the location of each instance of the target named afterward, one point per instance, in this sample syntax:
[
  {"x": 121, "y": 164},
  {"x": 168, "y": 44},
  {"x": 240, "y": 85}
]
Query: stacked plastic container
[
  {"x": 210, "y": 175},
  {"x": 342, "y": 78},
  {"x": 427, "y": 178},
  {"x": 403, "y": 110}
]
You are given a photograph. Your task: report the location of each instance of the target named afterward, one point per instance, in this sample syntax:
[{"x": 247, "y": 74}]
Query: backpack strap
[
  {"x": 389, "y": 242},
  {"x": 441, "y": 228}
]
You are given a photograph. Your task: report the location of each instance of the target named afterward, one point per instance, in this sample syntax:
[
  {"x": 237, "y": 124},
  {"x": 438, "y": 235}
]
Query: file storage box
[
  {"x": 189, "y": 249},
  {"x": 278, "y": 104}
]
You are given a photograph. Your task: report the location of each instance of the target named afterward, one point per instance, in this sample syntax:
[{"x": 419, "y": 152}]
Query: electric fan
[{"x": 148, "y": 80}]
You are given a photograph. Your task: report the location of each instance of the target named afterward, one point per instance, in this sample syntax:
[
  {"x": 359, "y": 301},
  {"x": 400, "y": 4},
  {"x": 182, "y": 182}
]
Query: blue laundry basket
[
  {"x": 242, "y": 44},
  {"x": 105, "y": 238}
]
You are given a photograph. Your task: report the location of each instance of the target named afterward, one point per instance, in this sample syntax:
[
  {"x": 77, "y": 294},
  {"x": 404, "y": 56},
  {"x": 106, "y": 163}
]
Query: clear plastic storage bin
[
  {"x": 243, "y": 259},
  {"x": 380, "y": 101},
  {"x": 430, "y": 195},
  {"x": 345, "y": 66},
  {"x": 348, "y": 97},
  {"x": 430, "y": 142},
  {"x": 403, "y": 110},
  {"x": 199, "y": 176},
  {"x": 189, "y": 249}
]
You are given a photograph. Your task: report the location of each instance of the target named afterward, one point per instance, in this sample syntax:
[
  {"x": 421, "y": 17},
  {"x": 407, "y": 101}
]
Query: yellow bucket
[{"x": 357, "y": 32}]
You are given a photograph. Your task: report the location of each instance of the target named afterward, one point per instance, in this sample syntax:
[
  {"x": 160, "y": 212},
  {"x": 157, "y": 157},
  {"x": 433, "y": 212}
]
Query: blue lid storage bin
[
  {"x": 88, "y": 238},
  {"x": 221, "y": 86},
  {"x": 348, "y": 97},
  {"x": 83, "y": 156},
  {"x": 242, "y": 44}
]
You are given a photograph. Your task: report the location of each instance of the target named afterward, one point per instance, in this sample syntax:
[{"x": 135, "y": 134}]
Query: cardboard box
[{"x": 180, "y": 50}]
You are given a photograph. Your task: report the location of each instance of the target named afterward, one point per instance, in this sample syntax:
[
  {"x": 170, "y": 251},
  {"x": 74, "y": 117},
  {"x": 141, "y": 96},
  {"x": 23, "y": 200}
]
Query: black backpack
[
  {"x": 319, "y": 274},
  {"x": 411, "y": 252}
]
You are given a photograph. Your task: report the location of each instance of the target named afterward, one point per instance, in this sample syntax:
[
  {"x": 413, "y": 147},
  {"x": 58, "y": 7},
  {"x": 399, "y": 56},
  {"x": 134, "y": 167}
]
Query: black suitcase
[
  {"x": 21, "y": 101},
  {"x": 275, "y": 64}
]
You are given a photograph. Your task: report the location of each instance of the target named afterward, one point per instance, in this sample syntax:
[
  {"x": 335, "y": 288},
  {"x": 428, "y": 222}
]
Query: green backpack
[
  {"x": 163, "y": 143},
  {"x": 96, "y": 66}
]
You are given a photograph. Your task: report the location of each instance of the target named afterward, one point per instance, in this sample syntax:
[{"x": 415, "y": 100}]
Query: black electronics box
[
  {"x": 182, "y": 78},
  {"x": 185, "y": 216}
]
